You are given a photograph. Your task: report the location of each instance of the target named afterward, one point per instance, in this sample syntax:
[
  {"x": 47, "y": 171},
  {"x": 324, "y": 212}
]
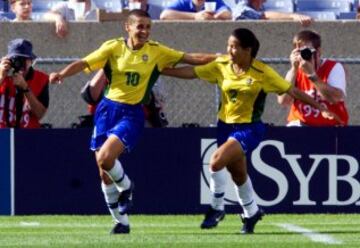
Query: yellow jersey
[
  {"x": 131, "y": 73},
  {"x": 242, "y": 96}
]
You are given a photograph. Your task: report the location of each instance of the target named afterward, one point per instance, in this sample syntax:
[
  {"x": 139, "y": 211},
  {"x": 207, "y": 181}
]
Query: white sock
[
  {"x": 245, "y": 194},
  {"x": 111, "y": 195},
  {"x": 217, "y": 188},
  {"x": 119, "y": 177}
]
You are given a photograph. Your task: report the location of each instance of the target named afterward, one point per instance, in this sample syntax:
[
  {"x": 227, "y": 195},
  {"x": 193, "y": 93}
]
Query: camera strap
[
  {"x": 6, "y": 108},
  {"x": 19, "y": 103}
]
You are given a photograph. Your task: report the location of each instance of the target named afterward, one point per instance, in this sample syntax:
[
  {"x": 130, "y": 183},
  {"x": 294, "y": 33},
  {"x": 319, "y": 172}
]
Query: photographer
[
  {"x": 322, "y": 79},
  {"x": 24, "y": 91}
]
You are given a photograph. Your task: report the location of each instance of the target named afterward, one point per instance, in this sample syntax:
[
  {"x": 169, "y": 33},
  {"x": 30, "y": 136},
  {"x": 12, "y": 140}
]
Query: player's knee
[
  {"x": 216, "y": 162},
  {"x": 104, "y": 160}
]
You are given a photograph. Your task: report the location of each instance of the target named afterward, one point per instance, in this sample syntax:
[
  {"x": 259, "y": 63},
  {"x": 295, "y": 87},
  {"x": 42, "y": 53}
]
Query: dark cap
[{"x": 20, "y": 47}]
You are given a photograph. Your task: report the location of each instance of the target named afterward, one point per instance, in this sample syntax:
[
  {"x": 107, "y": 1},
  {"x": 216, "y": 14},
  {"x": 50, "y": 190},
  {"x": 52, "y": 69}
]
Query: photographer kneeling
[{"x": 24, "y": 91}]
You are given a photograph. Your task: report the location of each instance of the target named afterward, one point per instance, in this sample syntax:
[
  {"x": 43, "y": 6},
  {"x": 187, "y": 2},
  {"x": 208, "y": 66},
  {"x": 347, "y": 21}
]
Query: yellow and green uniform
[
  {"x": 243, "y": 96},
  {"x": 131, "y": 73}
]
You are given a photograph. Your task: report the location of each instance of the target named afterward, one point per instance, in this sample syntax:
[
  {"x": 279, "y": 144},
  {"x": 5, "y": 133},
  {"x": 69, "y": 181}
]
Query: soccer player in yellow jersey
[
  {"x": 132, "y": 65},
  {"x": 244, "y": 83}
]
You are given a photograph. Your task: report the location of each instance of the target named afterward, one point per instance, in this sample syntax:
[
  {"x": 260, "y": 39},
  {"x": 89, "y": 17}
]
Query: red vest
[
  {"x": 310, "y": 115},
  {"x": 7, "y": 101}
]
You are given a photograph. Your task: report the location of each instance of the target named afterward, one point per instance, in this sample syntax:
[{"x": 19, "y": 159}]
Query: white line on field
[
  {"x": 23, "y": 223},
  {"x": 314, "y": 236}
]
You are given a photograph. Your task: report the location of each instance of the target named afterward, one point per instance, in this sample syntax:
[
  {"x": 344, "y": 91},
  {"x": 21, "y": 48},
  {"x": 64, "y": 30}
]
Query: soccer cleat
[
  {"x": 249, "y": 223},
  {"x": 120, "y": 229},
  {"x": 212, "y": 218},
  {"x": 125, "y": 200}
]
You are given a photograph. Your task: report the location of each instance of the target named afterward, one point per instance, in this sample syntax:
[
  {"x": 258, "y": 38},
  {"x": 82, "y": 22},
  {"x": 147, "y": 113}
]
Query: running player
[{"x": 132, "y": 65}]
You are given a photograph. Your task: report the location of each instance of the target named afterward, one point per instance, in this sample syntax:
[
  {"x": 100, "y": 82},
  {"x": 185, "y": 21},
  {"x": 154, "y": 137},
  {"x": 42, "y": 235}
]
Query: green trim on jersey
[
  {"x": 259, "y": 106},
  {"x": 154, "y": 76},
  {"x": 108, "y": 73}
]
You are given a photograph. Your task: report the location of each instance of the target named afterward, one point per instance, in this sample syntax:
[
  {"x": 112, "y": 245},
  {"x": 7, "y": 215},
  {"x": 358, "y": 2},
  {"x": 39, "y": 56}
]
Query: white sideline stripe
[
  {"x": 314, "y": 236},
  {"x": 23, "y": 223},
  {"x": 12, "y": 170}
]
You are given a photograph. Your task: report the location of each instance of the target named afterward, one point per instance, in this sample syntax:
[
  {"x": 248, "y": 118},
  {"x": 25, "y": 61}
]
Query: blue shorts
[
  {"x": 123, "y": 120},
  {"x": 249, "y": 135}
]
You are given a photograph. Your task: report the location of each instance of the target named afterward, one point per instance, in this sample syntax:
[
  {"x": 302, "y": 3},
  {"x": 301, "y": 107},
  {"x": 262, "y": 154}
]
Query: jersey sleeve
[
  {"x": 168, "y": 57},
  {"x": 97, "y": 59},
  {"x": 208, "y": 72},
  {"x": 275, "y": 83},
  {"x": 337, "y": 78}
]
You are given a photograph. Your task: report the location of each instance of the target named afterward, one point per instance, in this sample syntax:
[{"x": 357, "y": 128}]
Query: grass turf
[{"x": 177, "y": 231}]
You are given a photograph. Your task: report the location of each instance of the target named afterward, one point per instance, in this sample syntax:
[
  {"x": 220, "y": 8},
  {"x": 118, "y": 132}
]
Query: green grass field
[{"x": 274, "y": 231}]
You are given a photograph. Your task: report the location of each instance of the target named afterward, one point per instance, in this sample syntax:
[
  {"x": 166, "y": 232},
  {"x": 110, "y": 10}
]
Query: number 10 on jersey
[{"x": 132, "y": 78}]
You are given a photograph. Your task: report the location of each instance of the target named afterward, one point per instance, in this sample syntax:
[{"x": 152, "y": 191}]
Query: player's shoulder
[
  {"x": 114, "y": 42},
  {"x": 223, "y": 59},
  {"x": 154, "y": 43},
  {"x": 260, "y": 66}
]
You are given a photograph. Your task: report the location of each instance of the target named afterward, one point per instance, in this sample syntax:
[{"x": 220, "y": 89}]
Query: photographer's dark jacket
[{"x": 11, "y": 100}]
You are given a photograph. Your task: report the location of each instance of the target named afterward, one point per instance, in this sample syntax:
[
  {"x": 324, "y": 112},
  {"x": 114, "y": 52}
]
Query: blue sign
[{"x": 293, "y": 170}]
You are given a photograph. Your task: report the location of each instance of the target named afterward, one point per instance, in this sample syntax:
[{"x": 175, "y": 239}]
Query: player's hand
[{"x": 55, "y": 78}]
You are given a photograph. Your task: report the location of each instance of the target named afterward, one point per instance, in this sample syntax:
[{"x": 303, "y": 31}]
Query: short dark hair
[
  {"x": 247, "y": 39},
  {"x": 308, "y": 35},
  {"x": 137, "y": 13}
]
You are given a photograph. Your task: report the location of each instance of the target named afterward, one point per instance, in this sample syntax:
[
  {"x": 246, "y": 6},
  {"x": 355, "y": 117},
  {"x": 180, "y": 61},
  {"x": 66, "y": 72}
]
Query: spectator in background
[
  {"x": 254, "y": 10},
  {"x": 22, "y": 9},
  {"x": 195, "y": 10},
  {"x": 64, "y": 12},
  {"x": 24, "y": 91},
  {"x": 323, "y": 80}
]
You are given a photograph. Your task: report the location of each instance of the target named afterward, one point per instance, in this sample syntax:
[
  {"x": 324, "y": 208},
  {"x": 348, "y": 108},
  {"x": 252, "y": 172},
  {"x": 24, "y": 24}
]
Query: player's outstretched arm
[
  {"x": 186, "y": 72},
  {"x": 198, "y": 58},
  {"x": 72, "y": 69}
]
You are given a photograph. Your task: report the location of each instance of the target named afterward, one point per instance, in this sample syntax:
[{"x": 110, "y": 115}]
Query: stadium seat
[
  {"x": 280, "y": 5},
  {"x": 324, "y": 5},
  {"x": 102, "y": 4},
  {"x": 320, "y": 15},
  {"x": 7, "y": 15},
  {"x": 38, "y": 15},
  {"x": 347, "y": 15},
  {"x": 156, "y": 7},
  {"x": 44, "y": 5},
  {"x": 2, "y": 5},
  {"x": 231, "y": 3}
]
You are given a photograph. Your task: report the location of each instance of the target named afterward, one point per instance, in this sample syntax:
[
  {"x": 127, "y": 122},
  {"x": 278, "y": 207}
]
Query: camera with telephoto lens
[
  {"x": 306, "y": 53},
  {"x": 17, "y": 64}
]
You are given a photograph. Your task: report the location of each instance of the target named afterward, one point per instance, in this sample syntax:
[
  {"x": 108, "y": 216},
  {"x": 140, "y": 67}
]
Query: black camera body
[
  {"x": 306, "y": 53},
  {"x": 17, "y": 64}
]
